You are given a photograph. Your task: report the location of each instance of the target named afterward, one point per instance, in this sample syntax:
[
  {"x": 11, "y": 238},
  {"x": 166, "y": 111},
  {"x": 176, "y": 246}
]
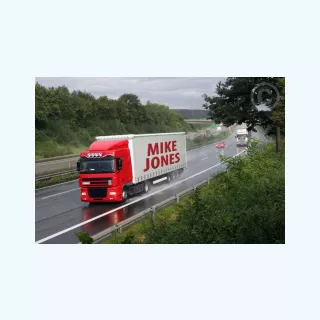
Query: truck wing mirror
[
  {"x": 119, "y": 163},
  {"x": 78, "y": 165}
]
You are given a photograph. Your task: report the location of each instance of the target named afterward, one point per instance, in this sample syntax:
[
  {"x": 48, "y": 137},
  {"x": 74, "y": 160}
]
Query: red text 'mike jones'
[{"x": 162, "y": 154}]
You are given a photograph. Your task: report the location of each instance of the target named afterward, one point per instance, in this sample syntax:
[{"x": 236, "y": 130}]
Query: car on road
[{"x": 220, "y": 144}]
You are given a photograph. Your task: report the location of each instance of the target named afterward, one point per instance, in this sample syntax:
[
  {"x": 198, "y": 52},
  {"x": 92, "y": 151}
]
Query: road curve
[{"x": 59, "y": 207}]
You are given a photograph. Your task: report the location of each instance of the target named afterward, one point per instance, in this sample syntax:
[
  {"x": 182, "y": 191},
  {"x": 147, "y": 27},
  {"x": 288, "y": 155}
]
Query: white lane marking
[
  {"x": 204, "y": 158},
  {"x": 128, "y": 204},
  {"x": 159, "y": 180},
  {"x": 58, "y": 194}
]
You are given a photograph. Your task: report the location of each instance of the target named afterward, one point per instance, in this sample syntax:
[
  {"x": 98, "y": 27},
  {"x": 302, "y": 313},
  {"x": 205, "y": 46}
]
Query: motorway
[{"x": 58, "y": 208}]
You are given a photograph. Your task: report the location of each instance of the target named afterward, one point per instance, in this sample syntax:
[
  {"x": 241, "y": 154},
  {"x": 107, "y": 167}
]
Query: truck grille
[
  {"x": 97, "y": 192},
  {"x": 97, "y": 182}
]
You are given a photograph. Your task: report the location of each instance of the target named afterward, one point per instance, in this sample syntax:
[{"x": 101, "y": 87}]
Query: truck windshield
[{"x": 97, "y": 165}]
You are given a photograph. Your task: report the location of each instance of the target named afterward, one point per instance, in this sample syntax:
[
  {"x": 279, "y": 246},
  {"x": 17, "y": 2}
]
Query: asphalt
[{"x": 59, "y": 207}]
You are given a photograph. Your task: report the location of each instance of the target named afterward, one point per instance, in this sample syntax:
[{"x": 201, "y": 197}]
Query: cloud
[{"x": 174, "y": 92}]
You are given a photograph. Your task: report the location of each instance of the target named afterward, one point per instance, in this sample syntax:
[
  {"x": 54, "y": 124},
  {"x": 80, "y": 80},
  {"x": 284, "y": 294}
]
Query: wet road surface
[{"x": 59, "y": 207}]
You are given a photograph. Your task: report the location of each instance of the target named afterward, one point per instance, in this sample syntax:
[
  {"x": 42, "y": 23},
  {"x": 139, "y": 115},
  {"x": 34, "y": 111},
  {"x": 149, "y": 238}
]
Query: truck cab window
[{"x": 97, "y": 165}]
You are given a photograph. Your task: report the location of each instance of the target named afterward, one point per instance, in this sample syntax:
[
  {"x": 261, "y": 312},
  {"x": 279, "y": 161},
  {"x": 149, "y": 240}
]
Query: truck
[
  {"x": 115, "y": 168},
  {"x": 242, "y": 137}
]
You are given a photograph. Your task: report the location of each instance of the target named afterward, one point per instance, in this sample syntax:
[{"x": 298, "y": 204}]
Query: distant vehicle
[
  {"x": 242, "y": 137},
  {"x": 220, "y": 144},
  {"x": 118, "y": 167}
]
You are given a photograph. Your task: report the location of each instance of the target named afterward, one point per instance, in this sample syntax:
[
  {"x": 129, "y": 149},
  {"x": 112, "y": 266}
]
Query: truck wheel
[{"x": 124, "y": 195}]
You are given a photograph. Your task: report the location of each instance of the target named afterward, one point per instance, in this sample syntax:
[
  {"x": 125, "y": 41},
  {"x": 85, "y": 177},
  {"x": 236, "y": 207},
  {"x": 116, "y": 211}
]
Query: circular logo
[{"x": 265, "y": 96}]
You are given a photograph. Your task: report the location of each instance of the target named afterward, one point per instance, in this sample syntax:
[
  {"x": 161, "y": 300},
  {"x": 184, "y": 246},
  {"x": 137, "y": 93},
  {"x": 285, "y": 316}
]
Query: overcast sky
[{"x": 175, "y": 92}]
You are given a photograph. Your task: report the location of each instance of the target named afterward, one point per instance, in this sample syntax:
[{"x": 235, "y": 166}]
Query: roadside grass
[
  {"x": 53, "y": 151},
  {"x": 56, "y": 180},
  {"x": 245, "y": 204},
  {"x": 199, "y": 141}
]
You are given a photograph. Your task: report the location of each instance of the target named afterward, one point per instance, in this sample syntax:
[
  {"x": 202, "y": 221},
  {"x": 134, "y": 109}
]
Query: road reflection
[
  {"x": 220, "y": 151},
  {"x": 102, "y": 223}
]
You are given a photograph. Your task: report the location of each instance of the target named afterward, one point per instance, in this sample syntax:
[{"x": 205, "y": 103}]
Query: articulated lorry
[
  {"x": 242, "y": 137},
  {"x": 118, "y": 167}
]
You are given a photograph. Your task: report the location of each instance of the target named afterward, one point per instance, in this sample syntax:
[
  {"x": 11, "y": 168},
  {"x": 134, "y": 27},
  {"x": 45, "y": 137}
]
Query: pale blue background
[{"x": 159, "y": 38}]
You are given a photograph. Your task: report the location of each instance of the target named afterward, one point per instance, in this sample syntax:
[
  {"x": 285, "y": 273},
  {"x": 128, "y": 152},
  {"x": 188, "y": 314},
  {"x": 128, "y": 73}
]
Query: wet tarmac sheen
[{"x": 59, "y": 207}]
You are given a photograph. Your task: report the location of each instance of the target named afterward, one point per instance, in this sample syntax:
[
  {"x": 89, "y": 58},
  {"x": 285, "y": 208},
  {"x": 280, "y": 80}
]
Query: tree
[
  {"x": 232, "y": 103},
  {"x": 130, "y": 99}
]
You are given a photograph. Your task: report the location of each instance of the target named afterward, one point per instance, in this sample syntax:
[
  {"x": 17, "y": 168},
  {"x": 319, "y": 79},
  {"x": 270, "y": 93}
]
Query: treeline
[
  {"x": 65, "y": 120},
  {"x": 193, "y": 113}
]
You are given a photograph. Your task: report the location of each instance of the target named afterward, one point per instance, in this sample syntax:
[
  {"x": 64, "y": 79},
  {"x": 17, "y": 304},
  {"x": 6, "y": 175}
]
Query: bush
[{"x": 245, "y": 205}]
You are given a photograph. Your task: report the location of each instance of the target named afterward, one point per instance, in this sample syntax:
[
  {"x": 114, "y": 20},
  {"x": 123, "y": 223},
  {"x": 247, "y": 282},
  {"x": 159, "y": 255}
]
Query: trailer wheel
[{"x": 146, "y": 187}]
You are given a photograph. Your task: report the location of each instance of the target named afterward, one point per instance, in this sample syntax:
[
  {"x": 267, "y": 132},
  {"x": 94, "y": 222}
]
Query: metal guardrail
[
  {"x": 53, "y": 175},
  {"x": 118, "y": 228},
  {"x": 56, "y": 158}
]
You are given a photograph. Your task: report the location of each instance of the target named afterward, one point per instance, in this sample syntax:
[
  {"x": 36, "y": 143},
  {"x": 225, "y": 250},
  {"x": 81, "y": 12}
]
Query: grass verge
[
  {"x": 56, "y": 152},
  {"x": 139, "y": 230},
  {"x": 200, "y": 142},
  {"x": 56, "y": 180},
  {"x": 244, "y": 205}
]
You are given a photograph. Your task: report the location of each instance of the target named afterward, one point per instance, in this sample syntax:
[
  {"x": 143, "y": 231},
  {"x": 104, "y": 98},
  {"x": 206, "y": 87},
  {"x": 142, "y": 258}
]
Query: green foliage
[
  {"x": 65, "y": 120},
  {"x": 192, "y": 113},
  {"x": 56, "y": 180},
  {"x": 129, "y": 238},
  {"x": 199, "y": 141},
  {"x": 245, "y": 205},
  {"x": 198, "y": 126},
  {"x": 233, "y": 105},
  {"x": 84, "y": 237},
  {"x": 278, "y": 115}
]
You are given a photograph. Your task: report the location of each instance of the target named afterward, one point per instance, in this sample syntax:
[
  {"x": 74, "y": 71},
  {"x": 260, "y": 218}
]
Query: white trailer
[
  {"x": 242, "y": 137},
  {"x": 155, "y": 156}
]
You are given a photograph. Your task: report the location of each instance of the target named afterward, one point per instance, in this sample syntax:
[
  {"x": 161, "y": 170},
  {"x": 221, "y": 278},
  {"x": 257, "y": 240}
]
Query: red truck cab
[{"x": 104, "y": 169}]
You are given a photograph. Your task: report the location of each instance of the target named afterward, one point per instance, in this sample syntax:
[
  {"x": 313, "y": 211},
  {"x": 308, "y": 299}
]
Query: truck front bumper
[{"x": 111, "y": 195}]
